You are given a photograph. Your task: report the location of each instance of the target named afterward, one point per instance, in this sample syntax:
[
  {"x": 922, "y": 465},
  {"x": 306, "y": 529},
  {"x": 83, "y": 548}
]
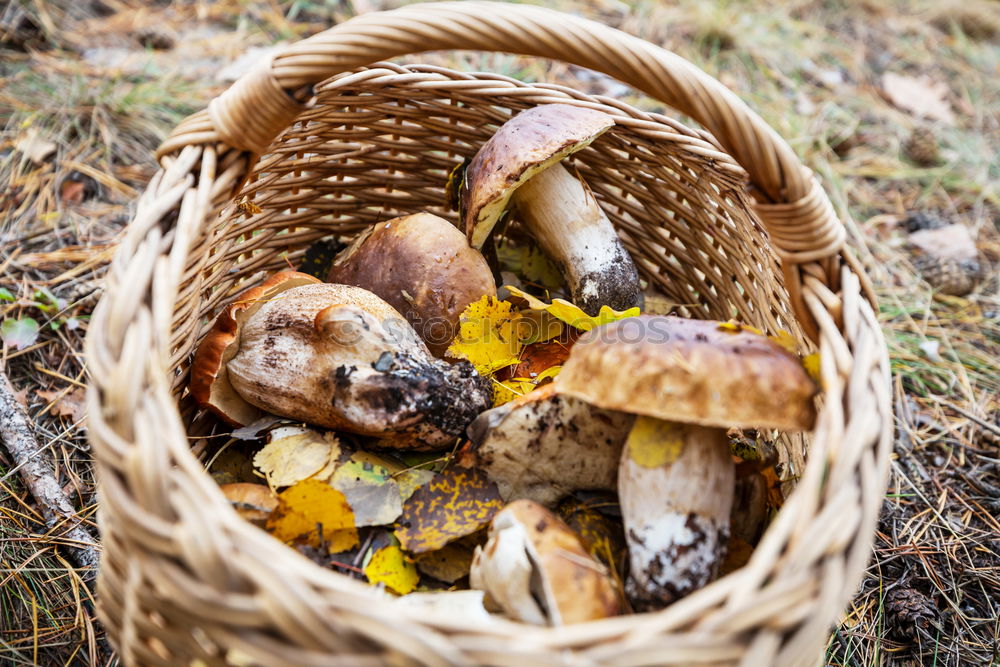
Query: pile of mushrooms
[{"x": 641, "y": 406}]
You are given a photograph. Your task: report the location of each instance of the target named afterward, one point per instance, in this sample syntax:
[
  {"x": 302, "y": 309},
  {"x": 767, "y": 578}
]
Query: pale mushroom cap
[
  {"x": 691, "y": 371},
  {"x": 209, "y": 384},
  {"x": 340, "y": 357},
  {"x": 423, "y": 267},
  {"x": 526, "y": 144}
]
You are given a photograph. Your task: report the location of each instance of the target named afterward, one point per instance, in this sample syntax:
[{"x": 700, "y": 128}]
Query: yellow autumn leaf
[
  {"x": 732, "y": 326},
  {"x": 573, "y": 315},
  {"x": 457, "y": 502},
  {"x": 390, "y": 566},
  {"x": 309, "y": 508},
  {"x": 538, "y": 326},
  {"x": 488, "y": 335},
  {"x": 785, "y": 340},
  {"x": 812, "y": 366},
  {"x": 538, "y": 268},
  {"x": 654, "y": 442},
  {"x": 507, "y": 390},
  {"x": 286, "y": 461}
]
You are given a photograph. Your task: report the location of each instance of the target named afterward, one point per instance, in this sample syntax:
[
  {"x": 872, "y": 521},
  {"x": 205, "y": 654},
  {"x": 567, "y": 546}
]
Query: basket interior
[{"x": 382, "y": 141}]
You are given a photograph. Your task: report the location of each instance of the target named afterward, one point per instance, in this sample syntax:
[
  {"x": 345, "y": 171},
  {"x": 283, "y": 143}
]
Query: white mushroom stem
[
  {"x": 572, "y": 229},
  {"x": 675, "y": 485}
]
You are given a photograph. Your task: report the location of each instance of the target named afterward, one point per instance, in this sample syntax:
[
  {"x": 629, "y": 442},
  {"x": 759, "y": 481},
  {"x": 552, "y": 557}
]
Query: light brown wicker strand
[{"x": 167, "y": 529}]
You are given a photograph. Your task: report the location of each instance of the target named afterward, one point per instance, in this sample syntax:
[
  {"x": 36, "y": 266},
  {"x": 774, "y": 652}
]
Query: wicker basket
[{"x": 184, "y": 579}]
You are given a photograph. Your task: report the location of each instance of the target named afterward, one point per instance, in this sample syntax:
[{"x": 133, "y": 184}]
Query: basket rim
[{"x": 852, "y": 438}]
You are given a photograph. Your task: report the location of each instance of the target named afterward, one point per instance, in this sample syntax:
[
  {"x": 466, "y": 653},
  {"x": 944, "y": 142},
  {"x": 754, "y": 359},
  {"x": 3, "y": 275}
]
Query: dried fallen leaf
[
  {"x": 34, "y": 147},
  {"x": 570, "y": 314},
  {"x": 654, "y": 442},
  {"x": 601, "y": 536},
  {"x": 487, "y": 335},
  {"x": 72, "y": 191},
  {"x": 314, "y": 512},
  {"x": 953, "y": 241},
  {"x": 506, "y": 391},
  {"x": 737, "y": 555},
  {"x": 448, "y": 564},
  {"x": 285, "y": 461},
  {"x": 253, "y": 502},
  {"x": 921, "y": 96},
  {"x": 412, "y": 479},
  {"x": 253, "y": 430},
  {"x": 458, "y": 502},
  {"x": 71, "y": 405},
  {"x": 538, "y": 268},
  {"x": 371, "y": 491}
]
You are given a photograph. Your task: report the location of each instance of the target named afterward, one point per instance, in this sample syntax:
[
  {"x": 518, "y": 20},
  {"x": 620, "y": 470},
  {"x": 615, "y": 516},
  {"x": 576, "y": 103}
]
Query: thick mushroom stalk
[
  {"x": 544, "y": 445},
  {"x": 675, "y": 487},
  {"x": 340, "y": 357},
  {"x": 537, "y": 570},
  {"x": 519, "y": 167},
  {"x": 423, "y": 267},
  {"x": 690, "y": 380}
]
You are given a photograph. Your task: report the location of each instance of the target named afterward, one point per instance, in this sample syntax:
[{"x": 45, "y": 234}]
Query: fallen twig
[{"x": 18, "y": 435}]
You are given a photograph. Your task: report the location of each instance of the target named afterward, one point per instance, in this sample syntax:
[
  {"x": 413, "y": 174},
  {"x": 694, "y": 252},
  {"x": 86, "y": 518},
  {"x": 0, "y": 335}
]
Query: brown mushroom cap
[
  {"x": 209, "y": 384},
  {"x": 690, "y": 371},
  {"x": 558, "y": 581},
  {"x": 526, "y": 144},
  {"x": 423, "y": 267}
]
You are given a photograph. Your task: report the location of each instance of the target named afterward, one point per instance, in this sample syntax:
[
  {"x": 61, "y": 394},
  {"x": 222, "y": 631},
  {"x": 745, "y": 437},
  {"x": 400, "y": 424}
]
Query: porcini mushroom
[
  {"x": 340, "y": 357},
  {"x": 544, "y": 445},
  {"x": 689, "y": 381},
  {"x": 423, "y": 267},
  {"x": 519, "y": 166},
  {"x": 209, "y": 384},
  {"x": 537, "y": 570}
]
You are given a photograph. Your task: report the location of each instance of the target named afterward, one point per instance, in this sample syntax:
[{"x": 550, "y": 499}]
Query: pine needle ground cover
[{"x": 895, "y": 105}]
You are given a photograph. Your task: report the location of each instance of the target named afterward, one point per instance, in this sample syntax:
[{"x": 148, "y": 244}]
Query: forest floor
[{"x": 90, "y": 87}]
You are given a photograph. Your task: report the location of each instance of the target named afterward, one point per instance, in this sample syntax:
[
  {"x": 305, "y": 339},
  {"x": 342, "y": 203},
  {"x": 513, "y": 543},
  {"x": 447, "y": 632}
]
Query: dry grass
[{"x": 77, "y": 74}]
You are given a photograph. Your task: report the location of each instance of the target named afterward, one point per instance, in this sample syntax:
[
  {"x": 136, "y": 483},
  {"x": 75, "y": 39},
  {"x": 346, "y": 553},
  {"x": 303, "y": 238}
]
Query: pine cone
[
  {"x": 956, "y": 277},
  {"x": 919, "y": 220},
  {"x": 922, "y": 147},
  {"x": 907, "y": 613}
]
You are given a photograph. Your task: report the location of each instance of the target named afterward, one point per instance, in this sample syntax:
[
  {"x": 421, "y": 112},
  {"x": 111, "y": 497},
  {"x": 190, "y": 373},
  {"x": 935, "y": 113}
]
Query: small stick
[{"x": 37, "y": 473}]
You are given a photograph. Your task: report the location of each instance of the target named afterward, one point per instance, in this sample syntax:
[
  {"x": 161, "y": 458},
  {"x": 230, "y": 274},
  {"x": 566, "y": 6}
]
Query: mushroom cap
[
  {"x": 538, "y": 570},
  {"x": 423, "y": 267},
  {"x": 209, "y": 384},
  {"x": 340, "y": 357},
  {"x": 526, "y": 144},
  {"x": 690, "y": 371}
]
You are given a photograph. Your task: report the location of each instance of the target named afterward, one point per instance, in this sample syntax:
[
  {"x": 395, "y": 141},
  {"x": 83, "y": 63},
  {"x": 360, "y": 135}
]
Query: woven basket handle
[{"x": 793, "y": 206}]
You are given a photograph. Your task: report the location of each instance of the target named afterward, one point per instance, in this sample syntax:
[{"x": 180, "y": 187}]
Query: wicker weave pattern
[{"x": 185, "y": 578}]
